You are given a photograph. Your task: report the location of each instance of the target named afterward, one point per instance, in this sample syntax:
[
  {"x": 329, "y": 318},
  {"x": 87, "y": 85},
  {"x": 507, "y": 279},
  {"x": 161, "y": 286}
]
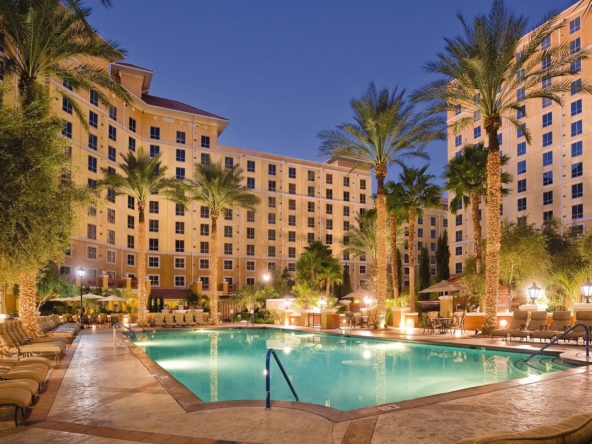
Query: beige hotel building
[{"x": 552, "y": 177}]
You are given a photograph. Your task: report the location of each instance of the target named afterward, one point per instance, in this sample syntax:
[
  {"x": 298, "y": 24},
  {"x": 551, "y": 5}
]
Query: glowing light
[
  {"x": 503, "y": 323},
  {"x": 264, "y": 372},
  {"x": 367, "y": 354},
  {"x": 287, "y": 350}
]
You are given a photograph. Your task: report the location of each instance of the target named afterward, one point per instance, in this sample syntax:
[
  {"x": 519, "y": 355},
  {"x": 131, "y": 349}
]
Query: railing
[
  {"x": 270, "y": 352},
  {"x": 119, "y": 324},
  {"x": 586, "y": 328}
]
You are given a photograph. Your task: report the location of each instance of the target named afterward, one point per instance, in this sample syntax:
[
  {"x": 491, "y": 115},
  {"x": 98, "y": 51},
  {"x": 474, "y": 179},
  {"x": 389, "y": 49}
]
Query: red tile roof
[
  {"x": 133, "y": 66},
  {"x": 170, "y": 293},
  {"x": 173, "y": 104}
]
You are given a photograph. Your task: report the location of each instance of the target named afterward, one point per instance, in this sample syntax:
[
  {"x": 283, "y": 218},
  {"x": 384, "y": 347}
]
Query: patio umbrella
[
  {"x": 89, "y": 296},
  {"x": 360, "y": 293},
  {"x": 111, "y": 298},
  {"x": 445, "y": 287}
]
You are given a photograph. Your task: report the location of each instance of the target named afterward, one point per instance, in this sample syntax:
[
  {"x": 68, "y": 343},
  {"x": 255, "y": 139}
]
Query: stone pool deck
[{"x": 105, "y": 393}]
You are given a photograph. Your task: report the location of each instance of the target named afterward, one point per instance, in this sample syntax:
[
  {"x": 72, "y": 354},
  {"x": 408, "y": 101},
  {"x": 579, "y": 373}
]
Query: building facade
[{"x": 552, "y": 176}]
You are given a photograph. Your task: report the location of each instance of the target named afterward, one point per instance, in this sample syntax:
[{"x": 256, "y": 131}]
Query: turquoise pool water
[{"x": 340, "y": 372}]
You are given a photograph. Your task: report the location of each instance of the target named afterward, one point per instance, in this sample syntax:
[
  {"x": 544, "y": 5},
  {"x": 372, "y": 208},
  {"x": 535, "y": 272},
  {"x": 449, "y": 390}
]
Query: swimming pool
[{"x": 344, "y": 373}]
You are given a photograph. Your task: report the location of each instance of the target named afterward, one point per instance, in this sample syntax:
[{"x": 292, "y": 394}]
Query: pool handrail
[
  {"x": 556, "y": 338},
  {"x": 133, "y": 333},
  {"x": 270, "y": 352}
]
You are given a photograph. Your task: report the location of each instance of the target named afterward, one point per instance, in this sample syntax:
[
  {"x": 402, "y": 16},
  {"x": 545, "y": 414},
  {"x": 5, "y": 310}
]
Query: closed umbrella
[{"x": 111, "y": 298}]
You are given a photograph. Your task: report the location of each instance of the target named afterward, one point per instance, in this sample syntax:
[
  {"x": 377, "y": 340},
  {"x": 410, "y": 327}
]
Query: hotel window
[
  {"x": 574, "y": 25},
  {"x": 457, "y": 110},
  {"x": 328, "y": 208},
  {"x": 291, "y": 188},
  {"x": 291, "y": 266},
  {"x": 545, "y": 62},
  {"x": 153, "y": 262},
  {"x": 546, "y": 43},
  {"x": 345, "y": 240},
  {"x": 153, "y": 226},
  {"x": 576, "y": 128},
  {"x": 346, "y": 211},
  {"x": 548, "y": 178},
  {"x": 311, "y": 222},
  {"x": 576, "y": 66},
  {"x": 154, "y": 150},
  {"x": 228, "y": 215},
  {"x": 92, "y": 164},
  {"x": 67, "y": 106},
  {"x": 476, "y": 116},
  {"x": 576, "y": 107},
  {"x": 227, "y": 231},
  {"x": 522, "y": 204},
  {"x": 179, "y": 263},
  {"x": 329, "y": 194},
  {"x": 131, "y": 260},
  {"x": 227, "y": 248},
  {"x": 180, "y": 155},
  {"x": 546, "y": 83},
  {"x": 329, "y": 179},
  {"x": 292, "y": 221},
  {"x": 179, "y": 281},
  {"x": 500, "y": 140},
  {"x": 520, "y": 94},
  {"x": 575, "y": 46},
  {"x": 291, "y": 236},
  {"x": 94, "y": 97},
  {"x": 458, "y": 140},
  {"x": 91, "y": 231},
  {"x": 91, "y": 253},
  {"x": 227, "y": 264},
  {"x": 179, "y": 227},
  {"x": 548, "y": 139},
  {"x": 458, "y": 251},
  {"x": 132, "y": 124},
  {"x": 92, "y": 142},
  {"x": 251, "y": 183},
  {"x": 577, "y": 190},
  {"x": 459, "y": 220},
  {"x": 153, "y": 207},
  {"x": 180, "y": 173},
  {"x": 271, "y": 185},
  {"x": 432, "y": 234},
  {"x": 111, "y": 195},
  {"x": 362, "y": 184},
  {"x": 204, "y": 212},
  {"x": 270, "y": 251},
  {"x": 521, "y": 167},
  {"x": 311, "y": 176},
  {"x": 329, "y": 224},
  {"x": 362, "y": 269},
  {"x": 292, "y": 173},
  {"x": 522, "y": 185},
  {"x": 362, "y": 198},
  {"x": 154, "y": 280},
  {"x": 67, "y": 85},
  {"x": 131, "y": 222},
  {"x": 271, "y": 218},
  {"x": 547, "y": 119},
  {"x": 311, "y": 207},
  {"x": 291, "y": 252},
  {"x": 130, "y": 241},
  {"x": 548, "y": 158},
  {"x": 131, "y": 144},
  {"x": 458, "y": 267},
  {"x": 250, "y": 233},
  {"x": 112, "y": 154},
  {"x": 577, "y": 148},
  {"x": 204, "y": 264},
  {"x": 329, "y": 239},
  {"x": 521, "y": 149},
  {"x": 346, "y": 181},
  {"x": 547, "y": 215},
  {"x": 576, "y": 87},
  {"x": 271, "y": 169},
  {"x": 547, "y": 102},
  {"x": 345, "y": 225},
  {"x": 520, "y": 131},
  {"x": 205, "y": 141},
  {"x": 271, "y": 235},
  {"x": 155, "y": 132},
  {"x": 577, "y": 169},
  {"x": 205, "y": 159},
  {"x": 250, "y": 216},
  {"x": 153, "y": 244},
  {"x": 112, "y": 133},
  {"x": 420, "y": 232},
  {"x": 228, "y": 163},
  {"x": 110, "y": 216},
  {"x": 346, "y": 196},
  {"x": 458, "y": 236},
  {"x": 250, "y": 166},
  {"x": 477, "y": 132},
  {"x": 112, "y": 112},
  {"x": 251, "y": 267},
  {"x": 577, "y": 211},
  {"x": 521, "y": 112},
  {"x": 445, "y": 223},
  {"x": 311, "y": 191},
  {"x": 250, "y": 250},
  {"x": 179, "y": 210},
  {"x": 271, "y": 266},
  {"x": 433, "y": 247},
  {"x": 547, "y": 197},
  {"x": 204, "y": 247},
  {"x": 181, "y": 137},
  {"x": 310, "y": 238}
]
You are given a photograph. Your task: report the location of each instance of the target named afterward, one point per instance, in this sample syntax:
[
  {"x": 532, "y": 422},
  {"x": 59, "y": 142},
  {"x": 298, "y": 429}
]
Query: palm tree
[
  {"x": 417, "y": 192},
  {"x": 398, "y": 214},
  {"x": 143, "y": 176},
  {"x": 491, "y": 72},
  {"x": 331, "y": 274},
  {"x": 219, "y": 189},
  {"x": 317, "y": 265},
  {"x": 362, "y": 242},
  {"x": 466, "y": 177},
  {"x": 386, "y": 131}
]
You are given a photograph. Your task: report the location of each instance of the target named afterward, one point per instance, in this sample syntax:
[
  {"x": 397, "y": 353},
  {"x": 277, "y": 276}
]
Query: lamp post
[
  {"x": 81, "y": 272},
  {"x": 533, "y": 292},
  {"x": 587, "y": 290}
]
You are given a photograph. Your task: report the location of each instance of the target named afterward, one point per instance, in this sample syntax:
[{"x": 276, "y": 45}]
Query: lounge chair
[
  {"x": 582, "y": 317},
  {"x": 559, "y": 324},
  {"x": 199, "y": 318},
  {"x": 538, "y": 322},
  {"x": 190, "y": 320},
  {"x": 180, "y": 320},
  {"x": 159, "y": 320},
  {"x": 519, "y": 321},
  {"x": 17, "y": 397}
]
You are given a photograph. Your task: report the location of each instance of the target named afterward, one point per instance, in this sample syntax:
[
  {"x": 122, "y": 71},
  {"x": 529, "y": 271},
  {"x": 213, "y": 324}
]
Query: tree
[
  {"x": 142, "y": 177},
  {"x": 220, "y": 190},
  {"x": 399, "y": 270},
  {"x": 564, "y": 249},
  {"x": 466, "y": 177},
  {"x": 490, "y": 72},
  {"x": 442, "y": 258},
  {"x": 417, "y": 192},
  {"x": 398, "y": 214},
  {"x": 362, "y": 242},
  {"x": 424, "y": 270},
  {"x": 386, "y": 131},
  {"x": 523, "y": 256},
  {"x": 317, "y": 266},
  {"x": 346, "y": 286}
]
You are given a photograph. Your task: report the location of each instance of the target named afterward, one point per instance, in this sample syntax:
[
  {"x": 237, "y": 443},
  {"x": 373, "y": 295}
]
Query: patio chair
[
  {"x": 582, "y": 317},
  {"x": 17, "y": 397},
  {"x": 559, "y": 323},
  {"x": 189, "y": 319},
  {"x": 199, "y": 318},
  {"x": 538, "y": 322},
  {"x": 458, "y": 322},
  {"x": 179, "y": 320},
  {"x": 519, "y": 321},
  {"x": 159, "y": 320},
  {"x": 428, "y": 323}
]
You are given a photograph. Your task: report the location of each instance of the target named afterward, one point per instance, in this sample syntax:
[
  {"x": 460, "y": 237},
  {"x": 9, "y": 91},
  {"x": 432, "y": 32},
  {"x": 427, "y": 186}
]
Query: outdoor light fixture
[
  {"x": 81, "y": 272},
  {"x": 323, "y": 302},
  {"x": 587, "y": 290},
  {"x": 367, "y": 301},
  {"x": 286, "y": 303},
  {"x": 503, "y": 323},
  {"x": 533, "y": 292},
  {"x": 266, "y": 277}
]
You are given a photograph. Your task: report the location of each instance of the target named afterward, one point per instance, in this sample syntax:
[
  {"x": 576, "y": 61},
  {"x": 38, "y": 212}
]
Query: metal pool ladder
[
  {"x": 587, "y": 341},
  {"x": 270, "y": 352}
]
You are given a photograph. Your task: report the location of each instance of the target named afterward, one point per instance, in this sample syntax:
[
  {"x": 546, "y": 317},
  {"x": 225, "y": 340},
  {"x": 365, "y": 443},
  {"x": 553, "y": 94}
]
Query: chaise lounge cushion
[{"x": 576, "y": 429}]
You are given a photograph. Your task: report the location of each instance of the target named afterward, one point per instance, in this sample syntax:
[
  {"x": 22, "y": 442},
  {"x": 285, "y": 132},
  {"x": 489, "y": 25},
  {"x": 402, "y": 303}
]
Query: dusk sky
[{"x": 283, "y": 70}]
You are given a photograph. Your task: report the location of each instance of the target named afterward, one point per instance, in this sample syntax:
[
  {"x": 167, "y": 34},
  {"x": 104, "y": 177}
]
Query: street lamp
[
  {"x": 587, "y": 290},
  {"x": 266, "y": 277},
  {"x": 533, "y": 292},
  {"x": 81, "y": 272}
]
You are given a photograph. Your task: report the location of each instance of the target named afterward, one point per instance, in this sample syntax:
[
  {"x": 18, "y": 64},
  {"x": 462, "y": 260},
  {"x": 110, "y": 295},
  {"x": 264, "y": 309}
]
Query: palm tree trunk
[
  {"x": 412, "y": 216},
  {"x": 141, "y": 264},
  {"x": 492, "y": 258},
  {"x": 327, "y": 288},
  {"x": 28, "y": 303},
  {"x": 394, "y": 274},
  {"x": 381, "y": 245},
  {"x": 214, "y": 269},
  {"x": 475, "y": 202}
]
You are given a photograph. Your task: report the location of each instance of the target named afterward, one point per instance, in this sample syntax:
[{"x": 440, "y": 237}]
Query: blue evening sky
[{"x": 283, "y": 70}]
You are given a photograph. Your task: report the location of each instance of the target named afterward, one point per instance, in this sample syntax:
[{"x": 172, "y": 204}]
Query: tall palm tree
[
  {"x": 417, "y": 192},
  {"x": 362, "y": 242},
  {"x": 386, "y": 131},
  {"x": 331, "y": 274},
  {"x": 398, "y": 215},
  {"x": 466, "y": 177},
  {"x": 142, "y": 177},
  {"x": 317, "y": 265},
  {"x": 219, "y": 189},
  {"x": 493, "y": 71}
]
